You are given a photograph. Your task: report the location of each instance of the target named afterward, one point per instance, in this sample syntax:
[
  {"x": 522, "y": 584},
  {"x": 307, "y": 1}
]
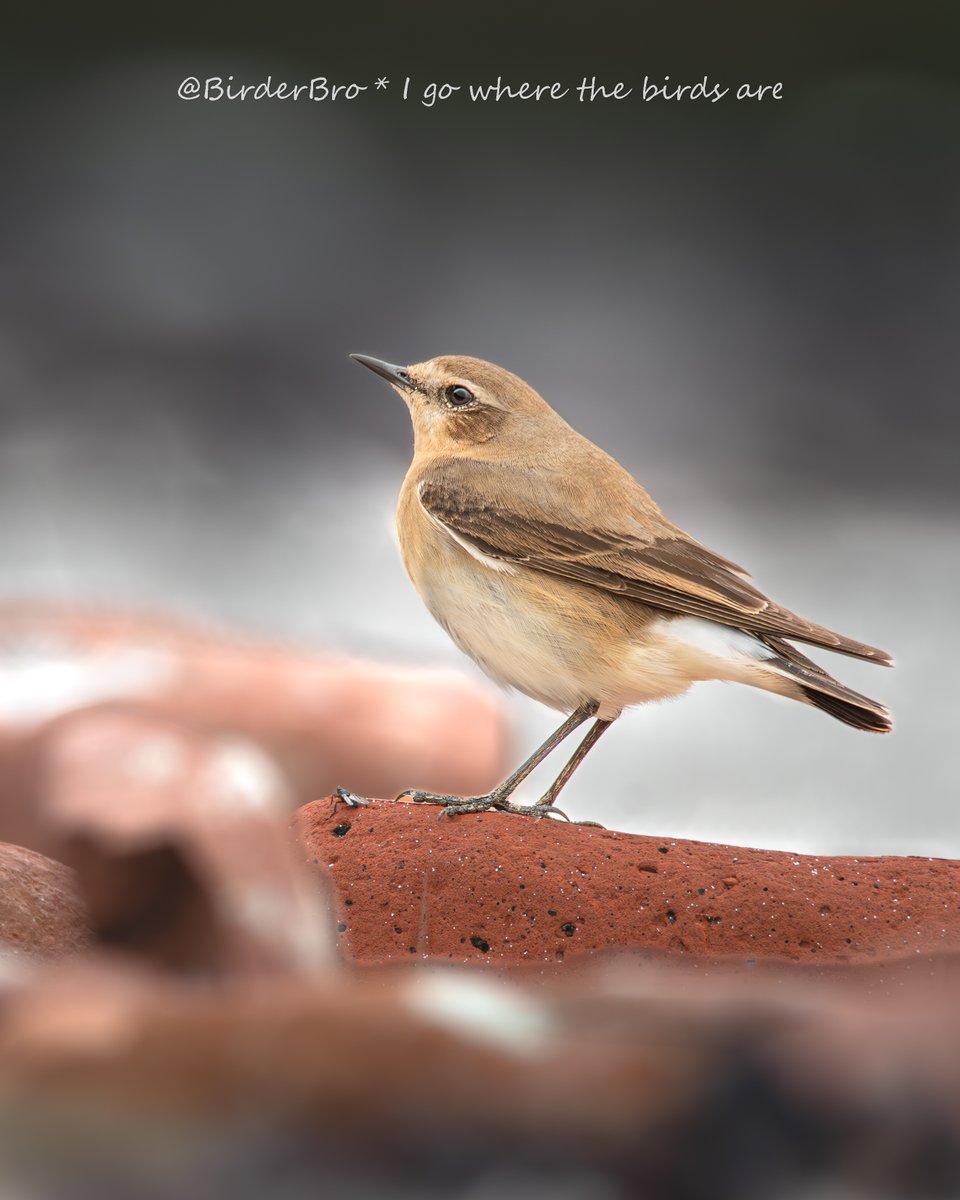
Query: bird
[{"x": 551, "y": 567}]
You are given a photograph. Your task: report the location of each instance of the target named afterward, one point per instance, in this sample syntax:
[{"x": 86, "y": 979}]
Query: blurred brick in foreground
[
  {"x": 180, "y": 843},
  {"x": 634, "y": 1077}
]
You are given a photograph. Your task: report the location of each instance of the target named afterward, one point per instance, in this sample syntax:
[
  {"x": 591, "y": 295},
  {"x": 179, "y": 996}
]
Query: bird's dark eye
[{"x": 458, "y": 395}]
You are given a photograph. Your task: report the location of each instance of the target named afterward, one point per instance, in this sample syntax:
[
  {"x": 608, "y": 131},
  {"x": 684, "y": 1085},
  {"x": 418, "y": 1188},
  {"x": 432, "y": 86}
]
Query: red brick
[
  {"x": 40, "y": 909},
  {"x": 497, "y": 889}
]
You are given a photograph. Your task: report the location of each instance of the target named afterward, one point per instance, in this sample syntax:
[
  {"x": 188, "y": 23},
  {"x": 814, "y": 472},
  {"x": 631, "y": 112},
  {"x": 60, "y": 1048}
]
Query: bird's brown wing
[{"x": 639, "y": 556}]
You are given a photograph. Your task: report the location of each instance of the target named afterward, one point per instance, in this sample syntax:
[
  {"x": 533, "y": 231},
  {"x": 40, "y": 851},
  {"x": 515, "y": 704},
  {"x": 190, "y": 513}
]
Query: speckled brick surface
[
  {"x": 497, "y": 889},
  {"x": 40, "y": 910}
]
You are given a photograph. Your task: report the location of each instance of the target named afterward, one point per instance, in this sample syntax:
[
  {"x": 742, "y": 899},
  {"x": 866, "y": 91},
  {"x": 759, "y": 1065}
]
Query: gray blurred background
[{"x": 753, "y": 306}]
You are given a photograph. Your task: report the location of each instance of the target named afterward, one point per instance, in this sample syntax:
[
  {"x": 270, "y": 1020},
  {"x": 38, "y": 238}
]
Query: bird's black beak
[{"x": 392, "y": 374}]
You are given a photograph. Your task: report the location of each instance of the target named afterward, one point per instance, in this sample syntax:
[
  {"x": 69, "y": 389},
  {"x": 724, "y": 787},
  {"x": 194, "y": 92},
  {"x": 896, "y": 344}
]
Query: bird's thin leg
[
  {"x": 500, "y": 795},
  {"x": 574, "y": 721},
  {"x": 548, "y": 798}
]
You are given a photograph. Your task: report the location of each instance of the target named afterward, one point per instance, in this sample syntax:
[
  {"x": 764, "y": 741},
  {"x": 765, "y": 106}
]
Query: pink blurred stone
[
  {"x": 180, "y": 842},
  {"x": 323, "y": 720}
]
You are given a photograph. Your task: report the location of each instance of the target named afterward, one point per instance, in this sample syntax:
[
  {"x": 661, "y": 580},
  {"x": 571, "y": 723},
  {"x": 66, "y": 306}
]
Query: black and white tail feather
[{"x": 814, "y": 686}]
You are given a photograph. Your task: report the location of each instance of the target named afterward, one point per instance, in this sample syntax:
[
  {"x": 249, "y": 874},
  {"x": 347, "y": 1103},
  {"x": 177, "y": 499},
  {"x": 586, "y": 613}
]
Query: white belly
[
  {"x": 514, "y": 644},
  {"x": 536, "y": 634}
]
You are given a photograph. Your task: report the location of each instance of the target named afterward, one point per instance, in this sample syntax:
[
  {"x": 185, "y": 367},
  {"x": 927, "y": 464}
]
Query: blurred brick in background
[{"x": 321, "y": 721}]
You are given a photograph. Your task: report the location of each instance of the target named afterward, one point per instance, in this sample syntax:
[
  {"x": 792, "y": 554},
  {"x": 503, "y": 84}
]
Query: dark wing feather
[{"x": 663, "y": 568}]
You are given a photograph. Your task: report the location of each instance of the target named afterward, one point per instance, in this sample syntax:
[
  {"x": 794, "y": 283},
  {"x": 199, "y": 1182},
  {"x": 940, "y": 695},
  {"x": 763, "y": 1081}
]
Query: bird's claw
[
  {"x": 535, "y": 810},
  {"x": 350, "y": 799},
  {"x": 543, "y": 805}
]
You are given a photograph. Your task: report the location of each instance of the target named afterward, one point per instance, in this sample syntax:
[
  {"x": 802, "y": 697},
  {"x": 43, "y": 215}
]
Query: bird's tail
[{"x": 811, "y": 684}]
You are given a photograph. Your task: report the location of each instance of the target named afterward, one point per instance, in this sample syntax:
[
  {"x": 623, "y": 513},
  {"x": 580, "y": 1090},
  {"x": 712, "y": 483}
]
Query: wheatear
[{"x": 552, "y": 568}]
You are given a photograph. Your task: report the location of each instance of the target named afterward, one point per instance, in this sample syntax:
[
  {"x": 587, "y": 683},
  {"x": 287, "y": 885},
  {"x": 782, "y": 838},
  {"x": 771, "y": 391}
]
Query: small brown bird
[{"x": 552, "y": 568}]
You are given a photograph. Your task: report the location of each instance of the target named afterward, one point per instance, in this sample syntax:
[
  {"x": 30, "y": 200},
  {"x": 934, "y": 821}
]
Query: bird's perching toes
[
  {"x": 460, "y": 805},
  {"x": 454, "y": 806}
]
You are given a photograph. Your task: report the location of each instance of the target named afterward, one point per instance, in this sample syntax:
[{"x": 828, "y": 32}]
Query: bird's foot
[
  {"x": 545, "y": 804},
  {"x": 453, "y": 806},
  {"x": 350, "y": 799}
]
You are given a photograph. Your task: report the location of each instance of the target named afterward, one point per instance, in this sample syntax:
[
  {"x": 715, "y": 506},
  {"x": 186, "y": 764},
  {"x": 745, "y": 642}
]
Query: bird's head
[{"x": 457, "y": 402}]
